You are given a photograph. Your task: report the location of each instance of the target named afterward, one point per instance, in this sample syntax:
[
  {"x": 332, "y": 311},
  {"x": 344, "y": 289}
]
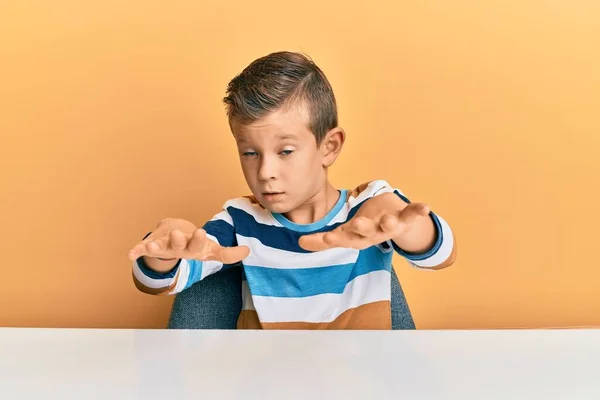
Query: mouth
[{"x": 272, "y": 196}]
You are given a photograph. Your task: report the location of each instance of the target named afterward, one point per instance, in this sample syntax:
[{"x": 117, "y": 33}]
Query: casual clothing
[{"x": 287, "y": 287}]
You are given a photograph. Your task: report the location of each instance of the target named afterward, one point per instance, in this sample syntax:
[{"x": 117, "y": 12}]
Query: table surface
[{"x": 176, "y": 364}]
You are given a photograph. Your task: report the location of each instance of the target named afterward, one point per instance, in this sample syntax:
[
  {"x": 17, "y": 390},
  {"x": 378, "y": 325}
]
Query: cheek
[
  {"x": 316, "y": 163},
  {"x": 298, "y": 170},
  {"x": 305, "y": 171},
  {"x": 248, "y": 171}
]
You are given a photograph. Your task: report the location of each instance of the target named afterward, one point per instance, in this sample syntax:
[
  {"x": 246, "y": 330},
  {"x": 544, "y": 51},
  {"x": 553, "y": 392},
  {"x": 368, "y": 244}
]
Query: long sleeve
[{"x": 220, "y": 229}]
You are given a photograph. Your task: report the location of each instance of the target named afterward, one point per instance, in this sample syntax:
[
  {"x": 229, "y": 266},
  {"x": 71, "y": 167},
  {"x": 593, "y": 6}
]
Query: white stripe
[
  {"x": 443, "y": 252},
  {"x": 342, "y": 215},
  {"x": 266, "y": 256},
  {"x": 247, "y": 303},
  {"x": 184, "y": 275},
  {"x": 373, "y": 189},
  {"x": 261, "y": 215},
  {"x": 223, "y": 216},
  {"x": 210, "y": 267},
  {"x": 368, "y": 288},
  {"x": 150, "y": 282}
]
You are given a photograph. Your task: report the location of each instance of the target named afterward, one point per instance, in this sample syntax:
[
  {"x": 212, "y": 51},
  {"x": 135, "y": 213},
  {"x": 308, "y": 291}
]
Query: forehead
[{"x": 288, "y": 123}]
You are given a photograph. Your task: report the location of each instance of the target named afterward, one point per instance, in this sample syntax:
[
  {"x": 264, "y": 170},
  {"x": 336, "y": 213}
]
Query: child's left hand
[{"x": 383, "y": 217}]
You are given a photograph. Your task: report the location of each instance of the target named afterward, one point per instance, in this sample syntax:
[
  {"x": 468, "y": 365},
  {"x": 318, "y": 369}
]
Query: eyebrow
[
  {"x": 286, "y": 136},
  {"x": 281, "y": 136}
]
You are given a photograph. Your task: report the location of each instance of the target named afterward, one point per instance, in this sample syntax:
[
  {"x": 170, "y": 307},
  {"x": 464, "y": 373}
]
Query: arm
[{"x": 385, "y": 216}]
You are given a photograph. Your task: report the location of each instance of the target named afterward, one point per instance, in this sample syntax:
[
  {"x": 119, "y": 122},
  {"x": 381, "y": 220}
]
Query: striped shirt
[{"x": 287, "y": 287}]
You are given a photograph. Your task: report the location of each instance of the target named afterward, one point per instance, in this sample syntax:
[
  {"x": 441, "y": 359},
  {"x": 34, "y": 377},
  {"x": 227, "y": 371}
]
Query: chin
[
  {"x": 280, "y": 207},
  {"x": 277, "y": 208}
]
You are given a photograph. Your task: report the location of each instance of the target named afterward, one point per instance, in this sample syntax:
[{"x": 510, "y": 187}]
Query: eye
[
  {"x": 287, "y": 152},
  {"x": 249, "y": 153}
]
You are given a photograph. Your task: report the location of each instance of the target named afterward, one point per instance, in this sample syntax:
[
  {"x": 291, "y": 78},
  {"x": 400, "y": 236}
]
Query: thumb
[
  {"x": 234, "y": 254},
  {"x": 313, "y": 242},
  {"x": 423, "y": 209},
  {"x": 414, "y": 210}
]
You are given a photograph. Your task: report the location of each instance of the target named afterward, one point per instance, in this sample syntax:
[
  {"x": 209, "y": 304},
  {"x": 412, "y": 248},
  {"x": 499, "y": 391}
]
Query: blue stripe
[
  {"x": 276, "y": 236},
  {"x": 222, "y": 231},
  {"x": 304, "y": 282},
  {"x": 225, "y": 235},
  {"x": 195, "y": 272},
  {"x": 403, "y": 197}
]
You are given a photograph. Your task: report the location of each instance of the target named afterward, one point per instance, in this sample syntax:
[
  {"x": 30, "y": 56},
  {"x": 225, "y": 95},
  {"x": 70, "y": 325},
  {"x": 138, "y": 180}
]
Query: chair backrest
[{"x": 216, "y": 302}]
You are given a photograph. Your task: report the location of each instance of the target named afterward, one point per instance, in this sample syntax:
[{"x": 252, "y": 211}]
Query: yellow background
[{"x": 111, "y": 118}]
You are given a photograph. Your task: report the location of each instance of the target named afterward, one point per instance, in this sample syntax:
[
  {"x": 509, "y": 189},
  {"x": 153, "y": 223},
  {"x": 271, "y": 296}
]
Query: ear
[{"x": 331, "y": 146}]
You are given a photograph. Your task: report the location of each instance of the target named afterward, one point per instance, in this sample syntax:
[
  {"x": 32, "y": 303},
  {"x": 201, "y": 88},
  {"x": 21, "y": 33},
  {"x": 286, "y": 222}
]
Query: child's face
[{"x": 281, "y": 161}]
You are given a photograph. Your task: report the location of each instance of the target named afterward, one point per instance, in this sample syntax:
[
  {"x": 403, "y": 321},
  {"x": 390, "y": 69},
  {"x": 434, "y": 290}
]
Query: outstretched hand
[
  {"x": 176, "y": 238},
  {"x": 381, "y": 218}
]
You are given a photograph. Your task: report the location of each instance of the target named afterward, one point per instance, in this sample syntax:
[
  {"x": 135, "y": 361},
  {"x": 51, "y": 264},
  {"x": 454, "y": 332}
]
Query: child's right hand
[{"x": 177, "y": 238}]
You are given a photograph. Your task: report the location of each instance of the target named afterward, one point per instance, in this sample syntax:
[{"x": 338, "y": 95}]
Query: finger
[
  {"x": 389, "y": 223},
  {"x": 325, "y": 241},
  {"x": 232, "y": 255},
  {"x": 313, "y": 242},
  {"x": 336, "y": 238},
  {"x": 177, "y": 240},
  {"x": 198, "y": 241},
  {"x": 422, "y": 209},
  {"x": 137, "y": 251},
  {"x": 349, "y": 239},
  {"x": 157, "y": 246},
  {"x": 413, "y": 211},
  {"x": 362, "y": 226}
]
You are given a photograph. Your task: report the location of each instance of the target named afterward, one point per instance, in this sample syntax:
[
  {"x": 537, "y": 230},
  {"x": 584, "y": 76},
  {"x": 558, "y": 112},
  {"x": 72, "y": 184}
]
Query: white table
[{"x": 162, "y": 364}]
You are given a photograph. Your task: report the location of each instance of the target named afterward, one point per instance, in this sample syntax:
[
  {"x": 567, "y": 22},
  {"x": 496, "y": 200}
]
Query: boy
[{"x": 313, "y": 257}]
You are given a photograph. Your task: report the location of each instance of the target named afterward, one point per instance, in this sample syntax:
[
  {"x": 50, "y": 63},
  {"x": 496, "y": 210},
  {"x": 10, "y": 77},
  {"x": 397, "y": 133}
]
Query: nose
[{"x": 267, "y": 169}]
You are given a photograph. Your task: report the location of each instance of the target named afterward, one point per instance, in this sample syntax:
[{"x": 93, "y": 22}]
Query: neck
[{"x": 316, "y": 207}]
